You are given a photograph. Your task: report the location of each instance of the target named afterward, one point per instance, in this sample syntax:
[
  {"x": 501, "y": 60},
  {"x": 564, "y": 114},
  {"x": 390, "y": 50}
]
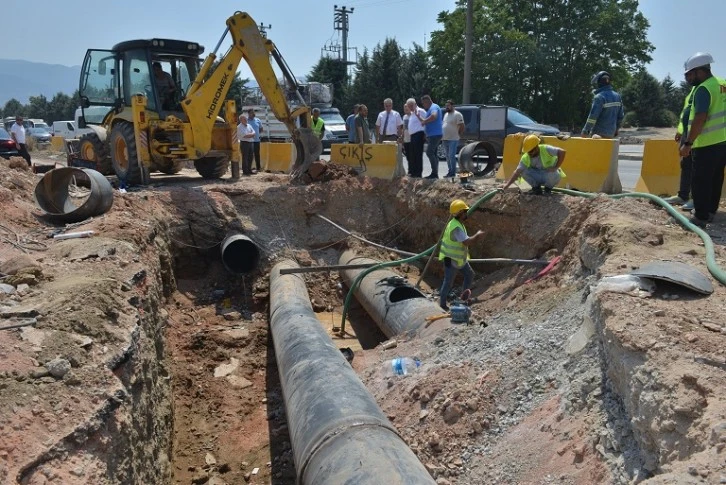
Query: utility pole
[
  {"x": 263, "y": 29},
  {"x": 341, "y": 23},
  {"x": 466, "y": 98}
]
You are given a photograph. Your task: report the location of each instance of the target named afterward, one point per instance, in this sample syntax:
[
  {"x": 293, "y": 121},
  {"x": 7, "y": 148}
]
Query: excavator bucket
[{"x": 309, "y": 148}]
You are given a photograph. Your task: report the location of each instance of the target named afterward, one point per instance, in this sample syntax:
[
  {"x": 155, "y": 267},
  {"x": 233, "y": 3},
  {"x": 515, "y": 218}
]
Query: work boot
[
  {"x": 687, "y": 206},
  {"x": 548, "y": 190},
  {"x": 675, "y": 200},
  {"x": 536, "y": 190},
  {"x": 698, "y": 222}
]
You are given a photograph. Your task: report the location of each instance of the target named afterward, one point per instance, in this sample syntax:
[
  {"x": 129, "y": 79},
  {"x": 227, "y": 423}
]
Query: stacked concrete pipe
[
  {"x": 339, "y": 435},
  {"x": 393, "y": 303}
]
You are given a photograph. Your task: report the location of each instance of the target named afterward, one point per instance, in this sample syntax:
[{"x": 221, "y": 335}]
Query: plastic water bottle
[{"x": 402, "y": 366}]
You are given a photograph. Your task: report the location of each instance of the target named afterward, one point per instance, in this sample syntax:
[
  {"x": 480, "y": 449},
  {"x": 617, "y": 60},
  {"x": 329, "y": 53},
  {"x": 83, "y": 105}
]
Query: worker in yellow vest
[
  {"x": 683, "y": 198},
  {"x": 454, "y": 250},
  {"x": 706, "y": 140},
  {"x": 539, "y": 166},
  {"x": 318, "y": 125}
]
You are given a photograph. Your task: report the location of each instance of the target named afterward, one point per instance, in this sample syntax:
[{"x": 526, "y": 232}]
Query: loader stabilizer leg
[{"x": 309, "y": 148}]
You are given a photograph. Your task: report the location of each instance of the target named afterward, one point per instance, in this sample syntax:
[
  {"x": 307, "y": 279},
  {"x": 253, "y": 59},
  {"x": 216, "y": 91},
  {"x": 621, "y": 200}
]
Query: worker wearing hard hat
[
  {"x": 706, "y": 139},
  {"x": 454, "y": 250},
  {"x": 539, "y": 166},
  {"x": 606, "y": 113}
]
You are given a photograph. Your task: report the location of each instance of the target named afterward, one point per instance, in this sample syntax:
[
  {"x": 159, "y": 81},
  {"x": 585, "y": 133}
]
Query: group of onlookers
[{"x": 418, "y": 125}]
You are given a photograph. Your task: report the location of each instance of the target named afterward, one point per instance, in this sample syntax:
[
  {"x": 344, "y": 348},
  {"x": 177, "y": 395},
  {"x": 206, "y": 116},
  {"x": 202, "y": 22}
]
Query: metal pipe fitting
[
  {"x": 52, "y": 194},
  {"x": 395, "y": 305},
  {"x": 339, "y": 435},
  {"x": 240, "y": 254}
]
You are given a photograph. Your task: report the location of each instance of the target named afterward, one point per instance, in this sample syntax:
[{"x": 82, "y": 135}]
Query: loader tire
[
  {"x": 93, "y": 149},
  {"x": 124, "y": 156},
  {"x": 212, "y": 167}
]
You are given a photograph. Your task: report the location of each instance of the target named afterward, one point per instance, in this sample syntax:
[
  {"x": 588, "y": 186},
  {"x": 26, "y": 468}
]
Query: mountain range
[{"x": 22, "y": 79}]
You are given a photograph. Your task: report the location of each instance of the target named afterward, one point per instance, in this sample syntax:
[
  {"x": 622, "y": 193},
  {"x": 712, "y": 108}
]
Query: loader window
[
  {"x": 138, "y": 77},
  {"x": 99, "y": 82}
]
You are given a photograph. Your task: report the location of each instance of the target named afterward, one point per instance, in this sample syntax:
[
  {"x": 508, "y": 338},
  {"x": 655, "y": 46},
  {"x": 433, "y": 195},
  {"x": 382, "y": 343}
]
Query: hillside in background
[{"x": 22, "y": 79}]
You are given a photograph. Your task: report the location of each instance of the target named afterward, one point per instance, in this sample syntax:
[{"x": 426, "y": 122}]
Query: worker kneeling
[
  {"x": 539, "y": 166},
  {"x": 454, "y": 250}
]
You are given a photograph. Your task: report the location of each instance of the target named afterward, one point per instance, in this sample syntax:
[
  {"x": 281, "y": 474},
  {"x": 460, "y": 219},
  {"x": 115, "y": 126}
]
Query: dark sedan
[{"x": 8, "y": 148}]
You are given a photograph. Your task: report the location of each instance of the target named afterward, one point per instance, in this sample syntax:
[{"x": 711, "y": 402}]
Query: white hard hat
[{"x": 699, "y": 59}]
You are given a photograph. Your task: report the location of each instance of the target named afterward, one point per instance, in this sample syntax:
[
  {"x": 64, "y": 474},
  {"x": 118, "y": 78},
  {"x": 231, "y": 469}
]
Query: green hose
[
  {"x": 713, "y": 267},
  {"x": 711, "y": 264}
]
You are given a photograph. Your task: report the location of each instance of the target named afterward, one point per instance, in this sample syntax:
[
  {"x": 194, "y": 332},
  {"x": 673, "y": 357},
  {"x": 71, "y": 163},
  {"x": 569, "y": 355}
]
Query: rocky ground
[{"x": 143, "y": 361}]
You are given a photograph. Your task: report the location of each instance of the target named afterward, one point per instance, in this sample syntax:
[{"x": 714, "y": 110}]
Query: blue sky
[{"x": 60, "y": 32}]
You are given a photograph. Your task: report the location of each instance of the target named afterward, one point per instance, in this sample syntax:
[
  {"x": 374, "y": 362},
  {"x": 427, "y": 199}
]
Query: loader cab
[{"x": 109, "y": 78}]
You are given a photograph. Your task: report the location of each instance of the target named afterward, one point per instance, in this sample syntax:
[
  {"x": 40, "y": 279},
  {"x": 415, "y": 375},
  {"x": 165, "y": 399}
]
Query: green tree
[
  {"x": 332, "y": 71},
  {"x": 14, "y": 108},
  {"x": 38, "y": 107},
  {"x": 413, "y": 75},
  {"x": 540, "y": 55},
  {"x": 645, "y": 97}
]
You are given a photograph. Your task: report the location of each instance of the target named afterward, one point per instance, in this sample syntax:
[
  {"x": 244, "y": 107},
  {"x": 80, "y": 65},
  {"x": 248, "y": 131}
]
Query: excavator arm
[{"x": 205, "y": 98}]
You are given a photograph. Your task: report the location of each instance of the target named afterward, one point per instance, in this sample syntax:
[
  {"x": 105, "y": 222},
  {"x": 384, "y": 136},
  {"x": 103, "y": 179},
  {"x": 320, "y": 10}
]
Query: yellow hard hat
[
  {"x": 530, "y": 141},
  {"x": 457, "y": 206}
]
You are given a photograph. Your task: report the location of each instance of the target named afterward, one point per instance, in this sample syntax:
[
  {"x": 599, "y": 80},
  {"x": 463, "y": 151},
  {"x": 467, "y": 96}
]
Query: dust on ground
[{"x": 148, "y": 363}]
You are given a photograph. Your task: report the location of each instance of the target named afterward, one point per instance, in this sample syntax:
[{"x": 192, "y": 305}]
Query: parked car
[
  {"x": 8, "y": 148},
  {"x": 490, "y": 125},
  {"x": 40, "y": 136}
]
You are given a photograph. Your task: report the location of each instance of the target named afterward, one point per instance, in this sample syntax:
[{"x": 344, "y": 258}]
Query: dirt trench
[{"x": 509, "y": 399}]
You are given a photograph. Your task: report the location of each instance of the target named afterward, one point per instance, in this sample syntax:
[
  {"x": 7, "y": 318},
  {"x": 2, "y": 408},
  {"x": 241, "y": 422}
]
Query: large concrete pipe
[
  {"x": 240, "y": 254},
  {"x": 392, "y": 302},
  {"x": 52, "y": 194},
  {"x": 339, "y": 435}
]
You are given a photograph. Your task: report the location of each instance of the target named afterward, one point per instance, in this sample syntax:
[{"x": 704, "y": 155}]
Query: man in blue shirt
[
  {"x": 606, "y": 113},
  {"x": 433, "y": 126},
  {"x": 256, "y": 125},
  {"x": 350, "y": 124}
]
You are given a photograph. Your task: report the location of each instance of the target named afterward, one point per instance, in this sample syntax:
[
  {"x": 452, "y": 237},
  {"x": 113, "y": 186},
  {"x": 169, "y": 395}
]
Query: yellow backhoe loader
[{"x": 162, "y": 104}]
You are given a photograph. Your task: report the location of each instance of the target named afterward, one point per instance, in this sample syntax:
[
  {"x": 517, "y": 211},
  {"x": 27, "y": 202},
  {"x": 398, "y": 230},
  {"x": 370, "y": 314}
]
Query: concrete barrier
[
  {"x": 660, "y": 173},
  {"x": 374, "y": 160},
  {"x": 57, "y": 144},
  {"x": 591, "y": 165},
  {"x": 277, "y": 157}
]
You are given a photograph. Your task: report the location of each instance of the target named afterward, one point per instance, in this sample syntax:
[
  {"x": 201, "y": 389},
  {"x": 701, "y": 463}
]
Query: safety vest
[
  {"x": 547, "y": 159},
  {"x": 318, "y": 126},
  {"x": 685, "y": 105},
  {"x": 714, "y": 130},
  {"x": 453, "y": 249}
]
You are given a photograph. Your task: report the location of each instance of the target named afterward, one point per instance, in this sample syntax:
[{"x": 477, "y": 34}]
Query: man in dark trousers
[
  {"x": 17, "y": 131},
  {"x": 706, "y": 140},
  {"x": 454, "y": 250}
]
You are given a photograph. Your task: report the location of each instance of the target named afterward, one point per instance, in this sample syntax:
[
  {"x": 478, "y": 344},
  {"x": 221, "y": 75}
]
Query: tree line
[
  {"x": 60, "y": 107},
  {"x": 536, "y": 56}
]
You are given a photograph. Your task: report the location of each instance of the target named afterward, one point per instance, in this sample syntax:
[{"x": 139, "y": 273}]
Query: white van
[{"x": 67, "y": 129}]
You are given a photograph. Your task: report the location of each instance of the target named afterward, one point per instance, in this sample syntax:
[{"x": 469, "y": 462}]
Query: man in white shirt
[
  {"x": 453, "y": 129},
  {"x": 246, "y": 135},
  {"x": 418, "y": 137},
  {"x": 389, "y": 125},
  {"x": 17, "y": 131}
]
